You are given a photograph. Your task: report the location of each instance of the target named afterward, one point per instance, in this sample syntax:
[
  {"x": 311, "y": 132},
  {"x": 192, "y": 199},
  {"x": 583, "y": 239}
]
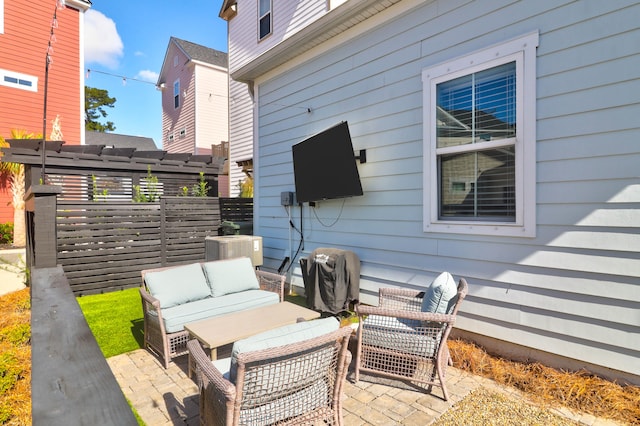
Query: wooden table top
[{"x": 218, "y": 331}]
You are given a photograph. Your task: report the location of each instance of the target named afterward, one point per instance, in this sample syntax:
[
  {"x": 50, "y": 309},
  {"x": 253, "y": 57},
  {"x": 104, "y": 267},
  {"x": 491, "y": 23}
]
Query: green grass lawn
[{"x": 115, "y": 319}]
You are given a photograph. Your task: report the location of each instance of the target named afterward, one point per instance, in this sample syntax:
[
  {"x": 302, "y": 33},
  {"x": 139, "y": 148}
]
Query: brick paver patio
[{"x": 169, "y": 397}]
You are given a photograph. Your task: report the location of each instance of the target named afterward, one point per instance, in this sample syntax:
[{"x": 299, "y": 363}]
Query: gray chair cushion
[
  {"x": 223, "y": 366},
  {"x": 176, "y": 317},
  {"x": 281, "y": 336},
  {"x": 291, "y": 405},
  {"x": 400, "y": 334}
]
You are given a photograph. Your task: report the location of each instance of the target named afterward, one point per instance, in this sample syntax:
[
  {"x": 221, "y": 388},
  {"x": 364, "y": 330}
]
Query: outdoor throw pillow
[
  {"x": 439, "y": 294},
  {"x": 230, "y": 276},
  {"x": 178, "y": 285}
]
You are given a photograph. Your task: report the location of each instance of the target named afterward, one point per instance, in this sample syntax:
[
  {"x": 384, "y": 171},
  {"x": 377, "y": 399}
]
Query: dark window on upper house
[{"x": 264, "y": 18}]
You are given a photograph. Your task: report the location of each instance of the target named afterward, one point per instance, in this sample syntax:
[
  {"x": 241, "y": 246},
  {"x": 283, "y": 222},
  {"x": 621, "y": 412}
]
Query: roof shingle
[{"x": 201, "y": 53}]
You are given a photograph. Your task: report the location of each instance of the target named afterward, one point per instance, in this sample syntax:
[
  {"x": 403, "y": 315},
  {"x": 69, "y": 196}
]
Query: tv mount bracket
[{"x": 363, "y": 156}]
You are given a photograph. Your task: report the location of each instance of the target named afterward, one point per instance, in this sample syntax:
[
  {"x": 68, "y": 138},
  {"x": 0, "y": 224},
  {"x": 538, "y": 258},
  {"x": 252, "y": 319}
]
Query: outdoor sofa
[{"x": 178, "y": 295}]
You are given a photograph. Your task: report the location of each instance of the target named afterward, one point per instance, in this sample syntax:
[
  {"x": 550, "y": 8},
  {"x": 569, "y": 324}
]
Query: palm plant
[{"x": 12, "y": 176}]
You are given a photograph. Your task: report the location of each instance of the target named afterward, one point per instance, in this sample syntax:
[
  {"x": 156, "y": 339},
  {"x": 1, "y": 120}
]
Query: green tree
[
  {"x": 95, "y": 101},
  {"x": 246, "y": 187}
]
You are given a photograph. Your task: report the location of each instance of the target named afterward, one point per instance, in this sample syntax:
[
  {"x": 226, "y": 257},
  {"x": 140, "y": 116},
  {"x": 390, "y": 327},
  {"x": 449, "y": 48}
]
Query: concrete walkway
[{"x": 169, "y": 397}]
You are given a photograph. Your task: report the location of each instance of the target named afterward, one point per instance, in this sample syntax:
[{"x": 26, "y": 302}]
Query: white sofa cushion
[
  {"x": 178, "y": 285},
  {"x": 230, "y": 276}
]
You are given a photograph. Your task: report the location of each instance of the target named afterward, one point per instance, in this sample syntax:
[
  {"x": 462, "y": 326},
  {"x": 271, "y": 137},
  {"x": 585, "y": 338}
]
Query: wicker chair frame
[
  {"x": 170, "y": 345},
  {"x": 418, "y": 352},
  {"x": 300, "y": 383}
]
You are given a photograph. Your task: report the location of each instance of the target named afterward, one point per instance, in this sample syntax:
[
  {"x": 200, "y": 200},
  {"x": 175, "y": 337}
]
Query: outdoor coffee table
[{"x": 219, "y": 331}]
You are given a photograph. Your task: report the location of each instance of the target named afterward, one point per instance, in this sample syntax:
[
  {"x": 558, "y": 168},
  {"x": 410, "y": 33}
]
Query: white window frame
[
  {"x": 260, "y": 16},
  {"x": 522, "y": 50},
  {"x": 183, "y": 132},
  {"x": 176, "y": 94},
  {"x": 19, "y": 76}
]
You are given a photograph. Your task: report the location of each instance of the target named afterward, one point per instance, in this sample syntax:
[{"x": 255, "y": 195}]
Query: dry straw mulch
[
  {"x": 580, "y": 391},
  {"x": 15, "y": 358},
  {"x": 485, "y": 407}
]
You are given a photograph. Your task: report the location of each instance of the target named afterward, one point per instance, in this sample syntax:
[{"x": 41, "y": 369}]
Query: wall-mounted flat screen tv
[{"x": 324, "y": 166}]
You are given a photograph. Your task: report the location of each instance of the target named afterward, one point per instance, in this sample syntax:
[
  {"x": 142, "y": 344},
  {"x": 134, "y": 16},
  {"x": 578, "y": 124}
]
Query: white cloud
[
  {"x": 102, "y": 43},
  {"x": 148, "y": 75}
]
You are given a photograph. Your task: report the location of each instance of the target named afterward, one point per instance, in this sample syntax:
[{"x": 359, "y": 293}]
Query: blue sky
[{"x": 129, "y": 39}]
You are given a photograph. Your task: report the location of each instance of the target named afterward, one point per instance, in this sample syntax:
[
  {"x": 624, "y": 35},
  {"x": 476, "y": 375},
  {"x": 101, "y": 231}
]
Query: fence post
[
  {"x": 40, "y": 208},
  {"x": 163, "y": 231}
]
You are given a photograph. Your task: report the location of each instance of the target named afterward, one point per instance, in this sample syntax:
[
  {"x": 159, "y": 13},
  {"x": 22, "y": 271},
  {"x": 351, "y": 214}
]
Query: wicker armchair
[
  {"x": 397, "y": 340},
  {"x": 171, "y": 345},
  {"x": 299, "y": 383}
]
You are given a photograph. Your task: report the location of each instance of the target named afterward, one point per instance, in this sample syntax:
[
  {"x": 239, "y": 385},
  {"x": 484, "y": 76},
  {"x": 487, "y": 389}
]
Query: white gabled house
[{"x": 502, "y": 146}]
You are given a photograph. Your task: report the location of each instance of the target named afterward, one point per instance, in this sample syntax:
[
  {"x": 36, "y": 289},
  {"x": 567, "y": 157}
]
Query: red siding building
[{"x": 25, "y": 33}]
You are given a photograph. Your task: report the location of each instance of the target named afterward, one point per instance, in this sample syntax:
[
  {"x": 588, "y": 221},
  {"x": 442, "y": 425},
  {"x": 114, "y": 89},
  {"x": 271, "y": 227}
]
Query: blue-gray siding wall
[{"x": 574, "y": 289}]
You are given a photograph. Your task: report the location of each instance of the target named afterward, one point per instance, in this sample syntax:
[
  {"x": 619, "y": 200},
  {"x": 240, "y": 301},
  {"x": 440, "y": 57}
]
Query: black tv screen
[{"x": 324, "y": 166}]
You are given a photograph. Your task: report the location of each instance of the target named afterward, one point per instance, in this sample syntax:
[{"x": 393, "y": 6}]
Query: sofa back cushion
[
  {"x": 230, "y": 276},
  {"x": 281, "y": 336},
  {"x": 177, "y": 285},
  {"x": 440, "y": 295}
]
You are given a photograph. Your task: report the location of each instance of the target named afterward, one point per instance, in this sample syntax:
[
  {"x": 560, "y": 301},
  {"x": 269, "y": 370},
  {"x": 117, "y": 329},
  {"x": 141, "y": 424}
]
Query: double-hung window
[
  {"x": 479, "y": 142},
  {"x": 264, "y": 18}
]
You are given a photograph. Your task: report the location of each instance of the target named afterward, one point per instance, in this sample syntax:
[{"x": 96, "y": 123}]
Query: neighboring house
[
  {"x": 529, "y": 188},
  {"x": 195, "y": 100},
  {"x": 115, "y": 140},
  {"x": 25, "y": 34}
]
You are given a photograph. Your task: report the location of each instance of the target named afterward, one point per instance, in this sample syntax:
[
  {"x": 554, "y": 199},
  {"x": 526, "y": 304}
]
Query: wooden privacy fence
[
  {"x": 236, "y": 209},
  {"x": 103, "y": 246}
]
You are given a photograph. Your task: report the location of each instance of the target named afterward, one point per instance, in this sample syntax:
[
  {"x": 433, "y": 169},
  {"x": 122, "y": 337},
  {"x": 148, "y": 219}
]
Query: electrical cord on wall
[
  {"x": 299, "y": 231},
  {"x": 335, "y": 221}
]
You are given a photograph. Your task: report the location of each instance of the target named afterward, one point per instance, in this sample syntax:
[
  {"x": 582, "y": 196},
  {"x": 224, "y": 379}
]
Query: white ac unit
[{"x": 230, "y": 246}]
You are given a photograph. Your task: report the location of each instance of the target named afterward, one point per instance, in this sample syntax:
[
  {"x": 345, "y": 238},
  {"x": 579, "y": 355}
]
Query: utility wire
[{"x": 124, "y": 78}]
